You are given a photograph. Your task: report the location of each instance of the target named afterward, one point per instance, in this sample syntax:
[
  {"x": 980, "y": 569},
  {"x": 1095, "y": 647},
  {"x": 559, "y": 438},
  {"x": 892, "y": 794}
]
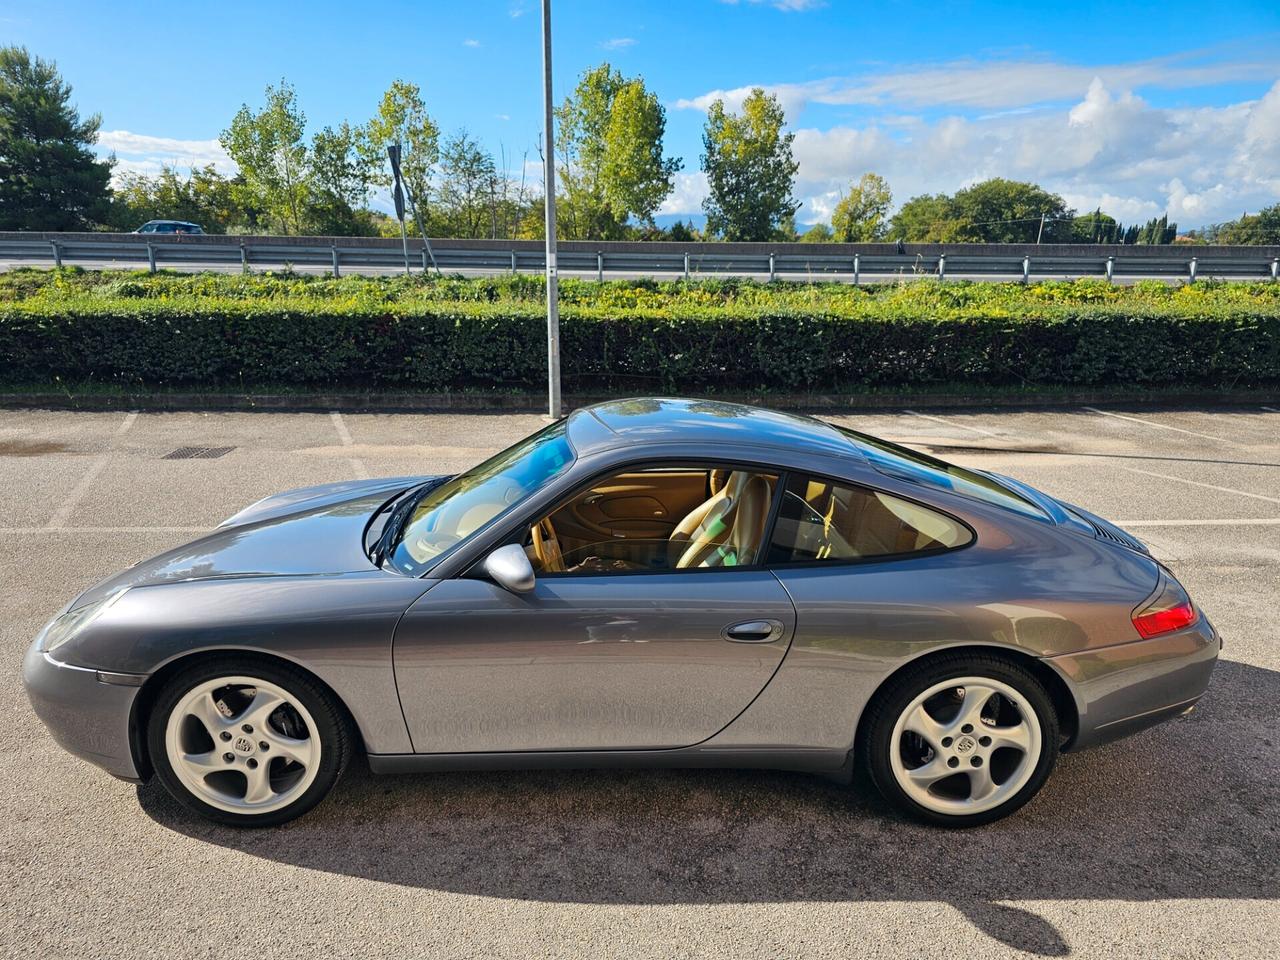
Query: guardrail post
[
  {"x": 424, "y": 260},
  {"x": 771, "y": 271},
  {"x": 1026, "y": 269},
  {"x": 1275, "y": 269},
  {"x": 335, "y": 259},
  {"x": 1111, "y": 267},
  {"x": 244, "y": 257},
  {"x": 513, "y": 261},
  {"x": 151, "y": 257},
  {"x": 1191, "y": 270},
  {"x": 686, "y": 266},
  {"x": 599, "y": 267},
  {"x": 857, "y": 265},
  {"x": 57, "y": 256},
  {"x": 942, "y": 266}
]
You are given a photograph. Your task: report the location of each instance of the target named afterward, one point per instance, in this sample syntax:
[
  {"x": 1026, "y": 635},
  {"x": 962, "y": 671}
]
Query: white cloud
[
  {"x": 141, "y": 153},
  {"x": 1109, "y": 149},
  {"x": 618, "y": 43},
  {"x": 1001, "y": 85},
  {"x": 471, "y": 42},
  {"x": 690, "y": 190}
]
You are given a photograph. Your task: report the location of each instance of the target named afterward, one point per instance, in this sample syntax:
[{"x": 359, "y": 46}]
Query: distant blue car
[{"x": 647, "y": 582}]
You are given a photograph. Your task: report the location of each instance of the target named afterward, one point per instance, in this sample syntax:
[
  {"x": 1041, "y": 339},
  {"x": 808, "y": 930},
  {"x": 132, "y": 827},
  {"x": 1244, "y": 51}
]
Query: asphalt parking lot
[{"x": 1164, "y": 845}]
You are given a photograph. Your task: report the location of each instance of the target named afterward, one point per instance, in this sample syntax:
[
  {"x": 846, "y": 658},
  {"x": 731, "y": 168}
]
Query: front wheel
[
  {"x": 247, "y": 743},
  {"x": 961, "y": 740}
]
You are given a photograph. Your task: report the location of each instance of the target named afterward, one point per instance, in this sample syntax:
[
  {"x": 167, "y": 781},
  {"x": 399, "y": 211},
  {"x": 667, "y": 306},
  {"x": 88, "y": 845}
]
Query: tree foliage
[
  {"x": 1262, "y": 227},
  {"x": 203, "y": 196},
  {"x": 611, "y": 168},
  {"x": 402, "y": 118},
  {"x": 268, "y": 146},
  {"x": 50, "y": 178},
  {"x": 862, "y": 215},
  {"x": 750, "y": 169}
]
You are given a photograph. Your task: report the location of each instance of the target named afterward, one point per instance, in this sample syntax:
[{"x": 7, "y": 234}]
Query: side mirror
[{"x": 509, "y": 568}]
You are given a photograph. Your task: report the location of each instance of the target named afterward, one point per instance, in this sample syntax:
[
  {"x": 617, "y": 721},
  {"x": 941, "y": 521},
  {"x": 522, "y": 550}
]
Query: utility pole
[{"x": 549, "y": 177}]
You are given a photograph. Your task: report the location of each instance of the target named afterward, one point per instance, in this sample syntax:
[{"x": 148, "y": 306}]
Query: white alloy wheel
[
  {"x": 965, "y": 746},
  {"x": 242, "y": 744}
]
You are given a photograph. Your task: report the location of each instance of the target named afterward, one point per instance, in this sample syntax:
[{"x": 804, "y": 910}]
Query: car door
[{"x": 592, "y": 662}]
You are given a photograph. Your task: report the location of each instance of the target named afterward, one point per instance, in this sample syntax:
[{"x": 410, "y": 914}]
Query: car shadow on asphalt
[{"x": 1190, "y": 809}]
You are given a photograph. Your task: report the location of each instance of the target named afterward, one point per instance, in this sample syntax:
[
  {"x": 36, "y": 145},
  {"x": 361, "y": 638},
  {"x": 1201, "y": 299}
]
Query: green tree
[
  {"x": 50, "y": 178},
  {"x": 269, "y": 149},
  {"x": 818, "y": 233},
  {"x": 637, "y": 178},
  {"x": 1262, "y": 227},
  {"x": 402, "y": 118},
  {"x": 468, "y": 191},
  {"x": 611, "y": 168},
  {"x": 1010, "y": 211},
  {"x": 926, "y": 219},
  {"x": 1096, "y": 227},
  {"x": 203, "y": 196},
  {"x": 339, "y": 178},
  {"x": 749, "y": 167},
  {"x": 862, "y": 215}
]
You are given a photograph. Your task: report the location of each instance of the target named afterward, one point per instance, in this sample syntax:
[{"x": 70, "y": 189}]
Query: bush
[{"x": 722, "y": 335}]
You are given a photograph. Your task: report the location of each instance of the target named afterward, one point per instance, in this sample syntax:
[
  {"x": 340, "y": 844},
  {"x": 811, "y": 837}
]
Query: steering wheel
[{"x": 546, "y": 547}]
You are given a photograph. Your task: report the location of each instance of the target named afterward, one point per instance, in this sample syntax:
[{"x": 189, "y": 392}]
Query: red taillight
[{"x": 1152, "y": 623}]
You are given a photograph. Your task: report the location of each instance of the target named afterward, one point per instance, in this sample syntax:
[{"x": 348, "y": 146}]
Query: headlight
[{"x": 61, "y": 629}]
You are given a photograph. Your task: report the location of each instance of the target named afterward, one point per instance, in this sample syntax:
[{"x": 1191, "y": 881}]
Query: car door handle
[{"x": 753, "y": 631}]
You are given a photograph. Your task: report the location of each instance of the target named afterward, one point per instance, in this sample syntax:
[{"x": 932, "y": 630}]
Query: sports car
[{"x": 647, "y": 582}]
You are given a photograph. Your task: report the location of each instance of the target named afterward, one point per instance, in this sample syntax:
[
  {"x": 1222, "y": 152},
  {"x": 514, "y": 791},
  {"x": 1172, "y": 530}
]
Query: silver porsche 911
[{"x": 646, "y": 582}]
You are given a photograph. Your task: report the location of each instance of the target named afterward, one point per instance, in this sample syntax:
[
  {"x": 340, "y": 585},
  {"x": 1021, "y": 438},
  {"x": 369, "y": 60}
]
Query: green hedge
[{"x": 454, "y": 335}]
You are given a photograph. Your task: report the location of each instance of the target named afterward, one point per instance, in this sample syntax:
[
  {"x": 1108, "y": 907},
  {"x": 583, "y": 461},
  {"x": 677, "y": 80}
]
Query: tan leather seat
[{"x": 731, "y": 525}]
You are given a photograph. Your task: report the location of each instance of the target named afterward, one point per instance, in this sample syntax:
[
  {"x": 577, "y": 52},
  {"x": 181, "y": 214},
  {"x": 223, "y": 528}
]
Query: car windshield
[
  {"x": 453, "y": 511},
  {"x": 900, "y": 461}
]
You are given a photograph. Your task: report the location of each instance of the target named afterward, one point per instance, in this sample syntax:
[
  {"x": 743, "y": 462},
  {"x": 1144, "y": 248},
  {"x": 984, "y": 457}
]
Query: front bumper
[
  {"x": 87, "y": 716},
  {"x": 1128, "y": 687}
]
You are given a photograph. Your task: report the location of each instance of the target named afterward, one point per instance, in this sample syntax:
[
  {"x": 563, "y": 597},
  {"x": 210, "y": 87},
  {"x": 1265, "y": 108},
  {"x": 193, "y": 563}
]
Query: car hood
[{"x": 308, "y": 532}]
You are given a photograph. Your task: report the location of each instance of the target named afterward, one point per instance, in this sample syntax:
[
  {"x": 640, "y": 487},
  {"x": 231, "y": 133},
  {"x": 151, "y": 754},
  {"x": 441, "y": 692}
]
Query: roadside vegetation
[{"x": 449, "y": 334}]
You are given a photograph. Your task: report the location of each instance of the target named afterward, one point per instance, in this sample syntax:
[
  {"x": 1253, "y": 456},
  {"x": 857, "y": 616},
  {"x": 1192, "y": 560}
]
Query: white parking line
[
  {"x": 72, "y": 500},
  {"x": 344, "y": 437},
  {"x": 951, "y": 423},
  {"x": 1159, "y": 426},
  {"x": 1197, "y": 483}
]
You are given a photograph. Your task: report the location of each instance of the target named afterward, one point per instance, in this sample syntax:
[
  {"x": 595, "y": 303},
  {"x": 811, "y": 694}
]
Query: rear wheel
[
  {"x": 247, "y": 743},
  {"x": 961, "y": 740}
]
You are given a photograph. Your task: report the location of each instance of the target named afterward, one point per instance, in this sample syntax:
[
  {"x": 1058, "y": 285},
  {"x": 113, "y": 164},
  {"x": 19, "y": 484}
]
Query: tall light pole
[{"x": 549, "y": 177}]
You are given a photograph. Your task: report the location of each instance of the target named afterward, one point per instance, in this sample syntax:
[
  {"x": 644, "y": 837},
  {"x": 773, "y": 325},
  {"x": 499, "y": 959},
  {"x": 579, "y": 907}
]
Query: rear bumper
[
  {"x": 1128, "y": 687},
  {"x": 87, "y": 717}
]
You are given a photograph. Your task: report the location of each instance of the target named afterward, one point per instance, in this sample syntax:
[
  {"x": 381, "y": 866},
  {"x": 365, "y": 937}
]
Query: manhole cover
[{"x": 198, "y": 453}]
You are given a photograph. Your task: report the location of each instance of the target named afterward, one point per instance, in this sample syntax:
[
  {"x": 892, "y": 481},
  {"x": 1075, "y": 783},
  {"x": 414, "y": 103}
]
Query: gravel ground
[{"x": 1164, "y": 845}]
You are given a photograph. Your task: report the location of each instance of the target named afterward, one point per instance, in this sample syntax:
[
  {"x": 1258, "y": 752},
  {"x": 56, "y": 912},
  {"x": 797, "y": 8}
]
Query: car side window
[
  {"x": 661, "y": 519},
  {"x": 823, "y": 520}
]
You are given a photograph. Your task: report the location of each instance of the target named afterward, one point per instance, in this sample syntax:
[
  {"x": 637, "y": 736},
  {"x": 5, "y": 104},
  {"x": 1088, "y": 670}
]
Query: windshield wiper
[{"x": 398, "y": 518}]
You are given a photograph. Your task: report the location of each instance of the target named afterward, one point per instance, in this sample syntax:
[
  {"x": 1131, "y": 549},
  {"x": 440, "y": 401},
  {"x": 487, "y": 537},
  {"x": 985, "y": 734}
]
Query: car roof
[
  {"x": 674, "y": 420},
  {"x": 176, "y": 223}
]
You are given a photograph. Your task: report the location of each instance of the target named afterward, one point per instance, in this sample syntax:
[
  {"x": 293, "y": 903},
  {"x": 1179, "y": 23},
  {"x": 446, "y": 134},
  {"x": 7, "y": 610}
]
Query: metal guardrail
[{"x": 848, "y": 263}]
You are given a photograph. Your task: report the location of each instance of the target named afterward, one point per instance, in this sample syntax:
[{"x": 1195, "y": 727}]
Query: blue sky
[{"x": 1140, "y": 108}]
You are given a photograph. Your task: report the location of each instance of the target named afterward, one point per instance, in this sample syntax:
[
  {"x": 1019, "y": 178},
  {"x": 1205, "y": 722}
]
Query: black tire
[
  {"x": 334, "y": 729},
  {"x": 882, "y": 713}
]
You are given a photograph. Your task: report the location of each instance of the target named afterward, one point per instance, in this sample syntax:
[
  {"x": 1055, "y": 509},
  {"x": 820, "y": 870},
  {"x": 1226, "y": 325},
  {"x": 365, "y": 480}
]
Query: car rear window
[{"x": 898, "y": 461}]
